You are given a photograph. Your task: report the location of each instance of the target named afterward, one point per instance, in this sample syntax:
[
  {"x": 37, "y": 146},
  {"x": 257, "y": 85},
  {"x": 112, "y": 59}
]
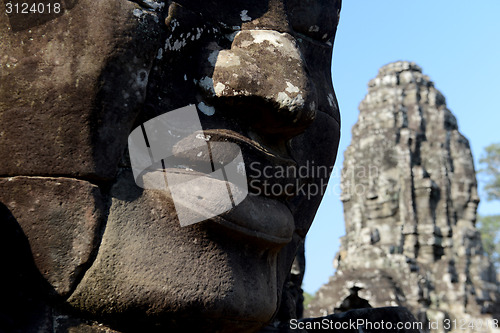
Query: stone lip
[{"x": 273, "y": 224}]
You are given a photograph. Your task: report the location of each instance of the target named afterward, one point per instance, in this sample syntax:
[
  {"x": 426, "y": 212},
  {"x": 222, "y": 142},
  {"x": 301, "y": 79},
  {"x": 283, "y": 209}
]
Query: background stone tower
[{"x": 410, "y": 198}]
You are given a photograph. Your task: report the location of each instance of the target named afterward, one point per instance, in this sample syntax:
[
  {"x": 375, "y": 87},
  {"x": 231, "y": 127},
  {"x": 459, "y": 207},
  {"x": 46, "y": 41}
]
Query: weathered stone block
[{"x": 61, "y": 218}]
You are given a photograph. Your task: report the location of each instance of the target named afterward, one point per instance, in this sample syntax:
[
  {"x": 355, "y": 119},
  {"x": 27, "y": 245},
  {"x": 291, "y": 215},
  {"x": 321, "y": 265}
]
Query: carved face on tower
[{"x": 76, "y": 83}]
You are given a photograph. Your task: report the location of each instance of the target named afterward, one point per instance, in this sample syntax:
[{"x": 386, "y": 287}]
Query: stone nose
[{"x": 264, "y": 81}]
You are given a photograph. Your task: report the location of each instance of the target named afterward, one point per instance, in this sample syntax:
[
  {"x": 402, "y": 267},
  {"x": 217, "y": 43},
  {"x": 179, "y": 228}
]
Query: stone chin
[{"x": 151, "y": 270}]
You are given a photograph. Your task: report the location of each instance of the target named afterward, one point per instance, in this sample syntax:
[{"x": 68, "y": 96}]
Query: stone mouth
[
  {"x": 273, "y": 224},
  {"x": 274, "y": 155},
  {"x": 187, "y": 153},
  {"x": 257, "y": 217},
  {"x": 265, "y": 166}
]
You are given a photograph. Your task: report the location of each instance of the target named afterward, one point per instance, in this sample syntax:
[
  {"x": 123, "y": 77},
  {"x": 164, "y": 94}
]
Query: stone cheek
[
  {"x": 410, "y": 199},
  {"x": 61, "y": 219},
  {"x": 62, "y": 63},
  {"x": 139, "y": 262}
]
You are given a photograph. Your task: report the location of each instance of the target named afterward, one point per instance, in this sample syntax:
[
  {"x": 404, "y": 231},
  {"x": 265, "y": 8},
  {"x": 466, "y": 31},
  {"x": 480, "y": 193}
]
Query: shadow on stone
[{"x": 22, "y": 287}]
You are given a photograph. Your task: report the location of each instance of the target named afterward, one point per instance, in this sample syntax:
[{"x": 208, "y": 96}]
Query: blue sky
[{"x": 457, "y": 43}]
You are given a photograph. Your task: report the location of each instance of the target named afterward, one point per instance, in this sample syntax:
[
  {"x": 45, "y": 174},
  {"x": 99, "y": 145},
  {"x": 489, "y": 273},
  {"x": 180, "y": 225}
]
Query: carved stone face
[
  {"x": 383, "y": 201},
  {"x": 73, "y": 88}
]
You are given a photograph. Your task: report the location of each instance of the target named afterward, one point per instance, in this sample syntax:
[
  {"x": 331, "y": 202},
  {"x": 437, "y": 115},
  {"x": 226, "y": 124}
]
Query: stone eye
[{"x": 315, "y": 19}]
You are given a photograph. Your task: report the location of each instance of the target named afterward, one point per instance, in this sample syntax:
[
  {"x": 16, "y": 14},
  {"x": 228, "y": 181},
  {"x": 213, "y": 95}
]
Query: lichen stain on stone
[
  {"x": 286, "y": 101},
  {"x": 212, "y": 58},
  {"x": 219, "y": 88},
  {"x": 206, "y": 109},
  {"x": 331, "y": 99},
  {"x": 244, "y": 16},
  {"x": 207, "y": 84},
  {"x": 281, "y": 42},
  {"x": 291, "y": 88},
  {"x": 227, "y": 59}
]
